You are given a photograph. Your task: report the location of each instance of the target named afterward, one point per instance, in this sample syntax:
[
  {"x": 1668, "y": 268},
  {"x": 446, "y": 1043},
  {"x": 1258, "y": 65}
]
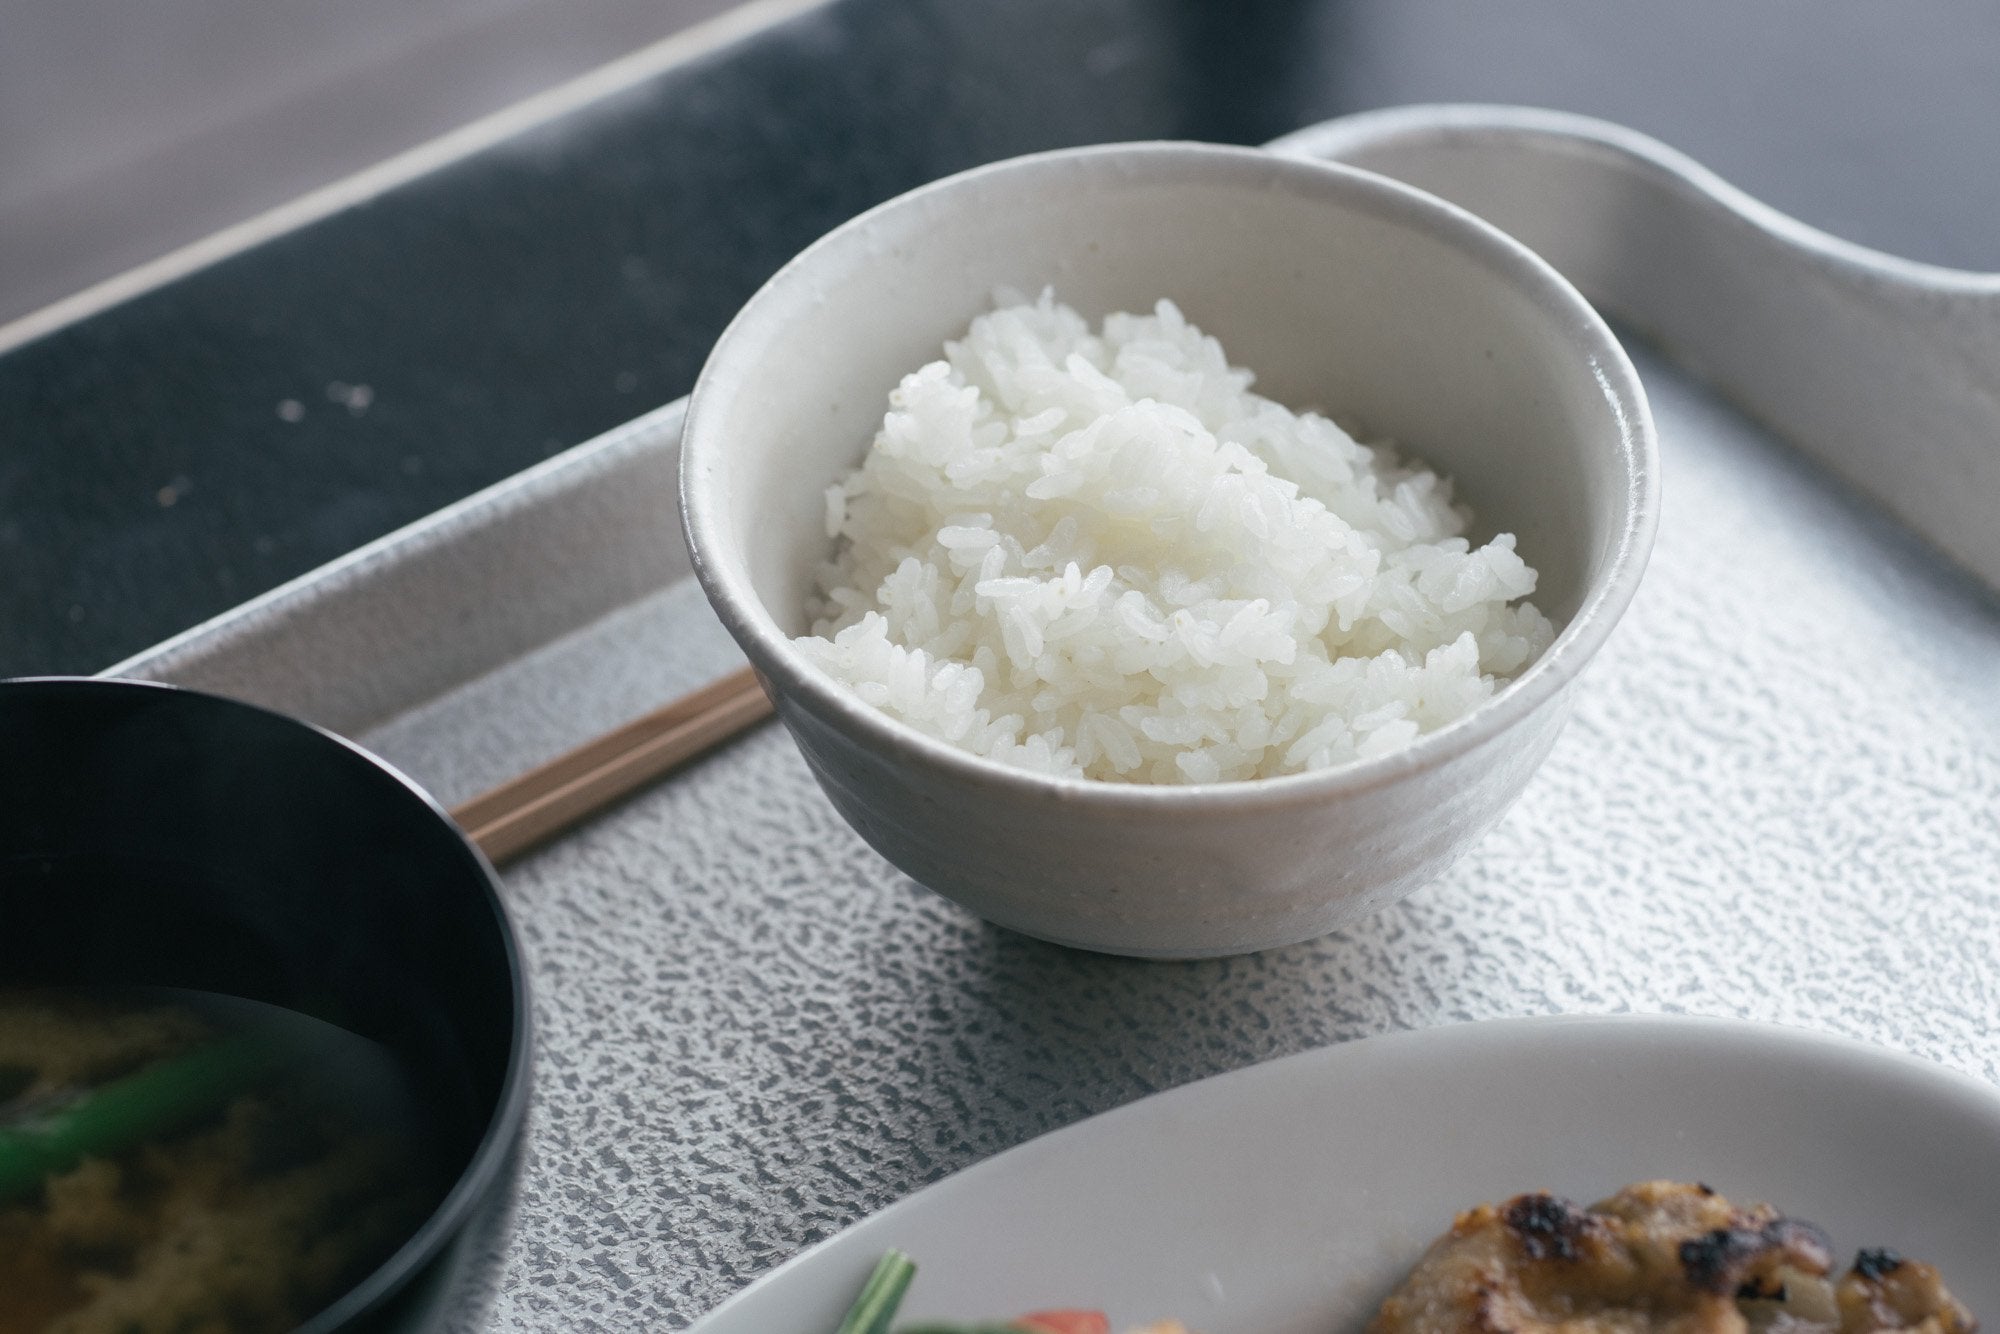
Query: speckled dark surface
[{"x": 527, "y": 299}]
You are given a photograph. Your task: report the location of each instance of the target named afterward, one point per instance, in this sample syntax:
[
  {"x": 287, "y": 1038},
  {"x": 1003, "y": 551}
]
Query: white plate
[{"x": 1289, "y": 1198}]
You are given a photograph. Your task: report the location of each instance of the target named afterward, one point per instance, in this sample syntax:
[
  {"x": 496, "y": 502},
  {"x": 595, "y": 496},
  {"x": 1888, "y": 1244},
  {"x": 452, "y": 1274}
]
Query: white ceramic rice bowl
[{"x": 1401, "y": 315}]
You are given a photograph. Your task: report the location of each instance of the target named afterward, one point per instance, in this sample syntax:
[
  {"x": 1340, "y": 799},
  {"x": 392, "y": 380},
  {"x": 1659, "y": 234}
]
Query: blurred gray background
[
  {"x": 131, "y": 127},
  {"x": 168, "y": 456}
]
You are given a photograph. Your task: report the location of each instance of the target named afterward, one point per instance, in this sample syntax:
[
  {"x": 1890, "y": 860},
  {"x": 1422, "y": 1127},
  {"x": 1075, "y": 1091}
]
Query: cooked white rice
[{"x": 1102, "y": 555}]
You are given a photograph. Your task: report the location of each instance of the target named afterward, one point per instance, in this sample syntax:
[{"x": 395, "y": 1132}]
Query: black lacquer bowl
[{"x": 156, "y": 837}]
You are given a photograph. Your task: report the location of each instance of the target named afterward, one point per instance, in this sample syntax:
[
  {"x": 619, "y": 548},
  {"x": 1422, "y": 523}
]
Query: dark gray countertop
[{"x": 174, "y": 455}]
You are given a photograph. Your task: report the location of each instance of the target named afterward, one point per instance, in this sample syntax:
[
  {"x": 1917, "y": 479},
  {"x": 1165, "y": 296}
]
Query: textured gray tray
[{"x": 1780, "y": 800}]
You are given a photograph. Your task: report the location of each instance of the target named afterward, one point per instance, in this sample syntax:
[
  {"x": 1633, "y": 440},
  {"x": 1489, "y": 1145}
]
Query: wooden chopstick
[{"x": 522, "y": 812}]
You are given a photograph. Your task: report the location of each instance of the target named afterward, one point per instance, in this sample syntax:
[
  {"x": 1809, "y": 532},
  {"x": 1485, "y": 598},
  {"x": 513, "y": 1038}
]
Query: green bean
[
  {"x": 157, "y": 1100},
  {"x": 880, "y": 1296}
]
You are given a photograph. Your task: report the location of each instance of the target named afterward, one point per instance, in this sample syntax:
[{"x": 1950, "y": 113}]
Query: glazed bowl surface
[{"x": 1400, "y": 315}]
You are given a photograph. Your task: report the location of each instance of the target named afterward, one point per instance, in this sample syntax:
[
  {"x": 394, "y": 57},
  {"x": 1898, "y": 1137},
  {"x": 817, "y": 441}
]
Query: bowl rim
[
  {"x": 488, "y": 1164},
  {"x": 795, "y": 679}
]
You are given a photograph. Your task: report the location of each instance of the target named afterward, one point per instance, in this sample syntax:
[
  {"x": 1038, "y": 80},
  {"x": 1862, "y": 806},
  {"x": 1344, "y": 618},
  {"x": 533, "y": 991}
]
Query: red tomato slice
[{"x": 1064, "y": 1322}]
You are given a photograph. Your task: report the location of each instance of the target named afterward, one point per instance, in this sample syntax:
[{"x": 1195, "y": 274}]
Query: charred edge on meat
[
  {"x": 1714, "y": 1263},
  {"x": 1549, "y": 1228},
  {"x": 1761, "y": 1288},
  {"x": 1879, "y": 1262},
  {"x": 1711, "y": 1261}
]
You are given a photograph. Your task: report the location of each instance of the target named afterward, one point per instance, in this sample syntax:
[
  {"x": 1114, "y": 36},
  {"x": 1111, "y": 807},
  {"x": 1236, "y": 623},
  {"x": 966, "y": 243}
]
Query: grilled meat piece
[
  {"x": 1883, "y": 1291},
  {"x": 1658, "y": 1257}
]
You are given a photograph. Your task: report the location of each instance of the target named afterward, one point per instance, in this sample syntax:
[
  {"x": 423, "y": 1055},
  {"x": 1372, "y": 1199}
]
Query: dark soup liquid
[{"x": 177, "y": 1162}]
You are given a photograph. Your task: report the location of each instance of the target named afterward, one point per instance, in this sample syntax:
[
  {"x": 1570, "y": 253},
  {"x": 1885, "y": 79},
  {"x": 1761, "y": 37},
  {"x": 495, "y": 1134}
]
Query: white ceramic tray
[{"x": 1780, "y": 799}]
